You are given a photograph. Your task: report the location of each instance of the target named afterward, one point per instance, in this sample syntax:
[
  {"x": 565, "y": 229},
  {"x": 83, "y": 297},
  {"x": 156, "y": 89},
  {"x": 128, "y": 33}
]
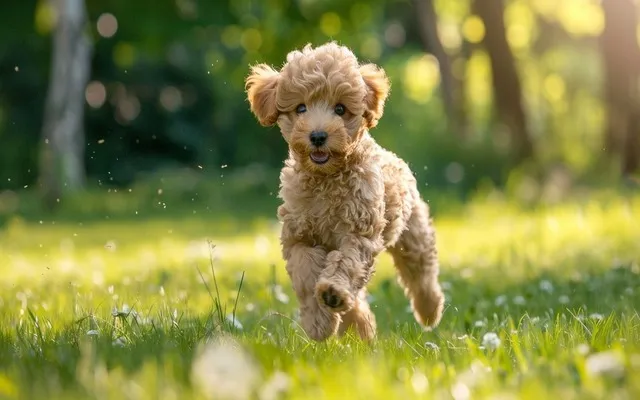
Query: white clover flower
[
  {"x": 460, "y": 391},
  {"x": 432, "y": 346},
  {"x": 479, "y": 324},
  {"x": 604, "y": 363},
  {"x": 234, "y": 321},
  {"x": 491, "y": 341},
  {"x": 519, "y": 300},
  {"x": 546, "y": 286},
  {"x": 501, "y": 300},
  {"x": 419, "y": 382},
  {"x": 276, "y": 385},
  {"x": 583, "y": 349},
  {"x": 564, "y": 299},
  {"x": 223, "y": 370},
  {"x": 280, "y": 295}
]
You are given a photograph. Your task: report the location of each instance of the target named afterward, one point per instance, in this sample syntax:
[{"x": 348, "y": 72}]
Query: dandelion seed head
[
  {"x": 546, "y": 286},
  {"x": 491, "y": 341}
]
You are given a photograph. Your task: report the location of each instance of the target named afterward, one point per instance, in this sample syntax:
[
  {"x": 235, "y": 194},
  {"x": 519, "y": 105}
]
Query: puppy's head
[{"x": 322, "y": 99}]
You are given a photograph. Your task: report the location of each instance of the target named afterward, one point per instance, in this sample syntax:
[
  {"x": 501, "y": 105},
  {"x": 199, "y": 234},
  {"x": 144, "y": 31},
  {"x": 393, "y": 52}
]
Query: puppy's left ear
[
  {"x": 261, "y": 86},
  {"x": 377, "y": 91}
]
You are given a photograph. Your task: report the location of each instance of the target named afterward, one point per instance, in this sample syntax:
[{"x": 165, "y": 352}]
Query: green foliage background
[{"x": 199, "y": 52}]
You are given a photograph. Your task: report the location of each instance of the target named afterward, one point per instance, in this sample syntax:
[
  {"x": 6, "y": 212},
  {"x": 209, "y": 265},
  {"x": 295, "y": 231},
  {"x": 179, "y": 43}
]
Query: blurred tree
[
  {"x": 63, "y": 144},
  {"x": 621, "y": 58},
  {"x": 450, "y": 86},
  {"x": 506, "y": 82}
]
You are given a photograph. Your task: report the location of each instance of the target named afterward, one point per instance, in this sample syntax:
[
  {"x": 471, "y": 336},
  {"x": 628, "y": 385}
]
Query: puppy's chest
[{"x": 326, "y": 213}]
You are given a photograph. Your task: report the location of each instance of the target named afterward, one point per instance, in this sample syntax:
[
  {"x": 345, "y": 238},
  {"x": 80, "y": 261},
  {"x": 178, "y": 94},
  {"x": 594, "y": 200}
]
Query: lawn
[{"x": 541, "y": 303}]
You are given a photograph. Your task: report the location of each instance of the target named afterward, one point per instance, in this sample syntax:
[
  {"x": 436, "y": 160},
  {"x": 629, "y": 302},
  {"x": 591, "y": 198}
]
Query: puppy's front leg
[
  {"x": 304, "y": 265},
  {"x": 346, "y": 272}
]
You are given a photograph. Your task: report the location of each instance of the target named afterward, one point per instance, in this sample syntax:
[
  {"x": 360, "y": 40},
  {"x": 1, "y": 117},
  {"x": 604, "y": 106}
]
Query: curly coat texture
[{"x": 345, "y": 198}]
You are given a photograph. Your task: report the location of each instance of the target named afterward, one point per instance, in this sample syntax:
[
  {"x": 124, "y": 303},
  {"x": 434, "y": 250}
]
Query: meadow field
[{"x": 541, "y": 303}]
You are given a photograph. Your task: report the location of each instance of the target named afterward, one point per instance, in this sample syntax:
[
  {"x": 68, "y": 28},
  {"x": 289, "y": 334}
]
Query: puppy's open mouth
[{"x": 319, "y": 157}]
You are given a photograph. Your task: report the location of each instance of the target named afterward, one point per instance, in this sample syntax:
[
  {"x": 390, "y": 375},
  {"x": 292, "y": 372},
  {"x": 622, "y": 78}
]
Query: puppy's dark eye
[
  {"x": 340, "y": 109},
  {"x": 301, "y": 108}
]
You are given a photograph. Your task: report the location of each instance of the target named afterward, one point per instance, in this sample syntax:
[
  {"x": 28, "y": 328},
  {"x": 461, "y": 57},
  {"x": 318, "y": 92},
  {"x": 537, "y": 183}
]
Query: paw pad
[{"x": 331, "y": 298}]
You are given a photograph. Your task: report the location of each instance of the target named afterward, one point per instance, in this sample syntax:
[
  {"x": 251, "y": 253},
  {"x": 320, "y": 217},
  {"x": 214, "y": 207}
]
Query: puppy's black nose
[{"x": 318, "y": 138}]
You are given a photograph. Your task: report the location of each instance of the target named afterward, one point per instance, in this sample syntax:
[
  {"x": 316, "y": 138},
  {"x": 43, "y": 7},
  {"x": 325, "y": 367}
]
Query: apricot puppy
[{"x": 345, "y": 198}]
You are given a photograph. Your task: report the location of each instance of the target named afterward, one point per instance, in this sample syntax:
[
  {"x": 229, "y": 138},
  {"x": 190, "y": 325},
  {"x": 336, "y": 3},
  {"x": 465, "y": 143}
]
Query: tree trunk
[
  {"x": 621, "y": 62},
  {"x": 506, "y": 82},
  {"x": 62, "y": 154},
  {"x": 451, "y": 87}
]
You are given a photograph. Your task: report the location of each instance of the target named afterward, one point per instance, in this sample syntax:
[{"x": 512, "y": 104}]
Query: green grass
[{"x": 130, "y": 309}]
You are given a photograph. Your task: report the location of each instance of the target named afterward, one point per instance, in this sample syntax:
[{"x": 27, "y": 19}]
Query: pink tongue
[{"x": 319, "y": 156}]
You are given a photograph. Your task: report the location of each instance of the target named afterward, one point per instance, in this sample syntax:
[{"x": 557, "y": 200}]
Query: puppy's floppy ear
[
  {"x": 261, "y": 91},
  {"x": 378, "y": 87}
]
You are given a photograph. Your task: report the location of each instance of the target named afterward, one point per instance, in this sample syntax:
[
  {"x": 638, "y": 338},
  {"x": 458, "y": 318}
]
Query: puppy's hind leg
[{"x": 416, "y": 260}]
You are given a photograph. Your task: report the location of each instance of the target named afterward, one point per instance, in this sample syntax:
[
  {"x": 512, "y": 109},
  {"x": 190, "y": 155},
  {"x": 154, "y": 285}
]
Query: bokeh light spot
[
  {"x": 371, "y": 48},
  {"x": 581, "y": 18},
  {"x": 107, "y": 25},
  {"x": 330, "y": 24},
  {"x": 251, "y": 39},
  {"x": 124, "y": 54},
  {"x": 421, "y": 76},
  {"x": 231, "y": 36},
  {"x": 171, "y": 98},
  {"x": 554, "y": 87},
  {"x": 473, "y": 29},
  {"x": 449, "y": 35},
  {"x": 395, "y": 35},
  {"x": 95, "y": 94},
  {"x": 46, "y": 17},
  {"x": 454, "y": 172}
]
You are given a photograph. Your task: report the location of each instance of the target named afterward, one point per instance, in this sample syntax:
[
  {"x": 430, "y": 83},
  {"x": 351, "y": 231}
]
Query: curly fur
[{"x": 339, "y": 215}]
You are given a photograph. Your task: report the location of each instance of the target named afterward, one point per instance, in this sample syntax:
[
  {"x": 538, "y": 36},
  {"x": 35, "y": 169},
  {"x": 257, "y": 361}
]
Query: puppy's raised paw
[{"x": 333, "y": 296}]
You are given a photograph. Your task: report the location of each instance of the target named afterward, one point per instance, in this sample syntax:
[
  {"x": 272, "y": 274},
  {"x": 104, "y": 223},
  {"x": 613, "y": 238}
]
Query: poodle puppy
[{"x": 345, "y": 198}]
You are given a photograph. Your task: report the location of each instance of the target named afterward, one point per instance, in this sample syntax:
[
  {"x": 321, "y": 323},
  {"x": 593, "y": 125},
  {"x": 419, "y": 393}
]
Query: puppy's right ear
[{"x": 261, "y": 87}]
